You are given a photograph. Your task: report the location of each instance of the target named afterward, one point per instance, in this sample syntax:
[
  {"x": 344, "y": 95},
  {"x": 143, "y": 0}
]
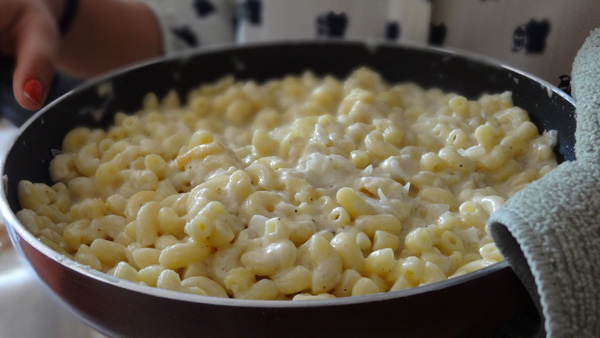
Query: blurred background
[{"x": 538, "y": 36}]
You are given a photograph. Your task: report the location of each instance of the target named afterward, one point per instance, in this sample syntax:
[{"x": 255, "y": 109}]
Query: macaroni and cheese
[{"x": 298, "y": 188}]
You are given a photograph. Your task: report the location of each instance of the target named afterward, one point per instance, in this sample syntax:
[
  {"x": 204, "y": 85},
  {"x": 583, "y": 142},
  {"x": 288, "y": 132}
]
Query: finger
[{"x": 36, "y": 42}]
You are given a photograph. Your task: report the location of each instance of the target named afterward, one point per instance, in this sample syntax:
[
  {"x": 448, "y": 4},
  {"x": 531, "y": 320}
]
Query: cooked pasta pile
[{"x": 298, "y": 188}]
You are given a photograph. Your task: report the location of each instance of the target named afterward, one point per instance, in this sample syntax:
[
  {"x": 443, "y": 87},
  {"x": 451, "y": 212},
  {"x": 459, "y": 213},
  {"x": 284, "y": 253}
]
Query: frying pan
[{"x": 467, "y": 306}]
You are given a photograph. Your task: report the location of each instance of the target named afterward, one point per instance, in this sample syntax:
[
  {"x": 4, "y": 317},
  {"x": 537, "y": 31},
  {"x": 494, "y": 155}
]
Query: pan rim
[{"x": 15, "y": 228}]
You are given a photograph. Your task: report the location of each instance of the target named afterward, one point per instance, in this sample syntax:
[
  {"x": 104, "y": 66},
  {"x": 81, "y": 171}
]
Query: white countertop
[{"x": 26, "y": 309}]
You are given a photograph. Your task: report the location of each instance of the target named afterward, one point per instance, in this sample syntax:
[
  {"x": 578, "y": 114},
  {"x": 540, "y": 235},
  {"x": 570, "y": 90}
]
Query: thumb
[{"x": 36, "y": 44}]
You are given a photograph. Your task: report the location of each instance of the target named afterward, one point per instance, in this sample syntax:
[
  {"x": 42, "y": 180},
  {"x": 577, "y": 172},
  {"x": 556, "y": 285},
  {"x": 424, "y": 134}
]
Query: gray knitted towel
[{"x": 550, "y": 231}]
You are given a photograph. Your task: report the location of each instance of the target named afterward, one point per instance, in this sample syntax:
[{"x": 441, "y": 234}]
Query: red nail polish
[{"x": 33, "y": 90}]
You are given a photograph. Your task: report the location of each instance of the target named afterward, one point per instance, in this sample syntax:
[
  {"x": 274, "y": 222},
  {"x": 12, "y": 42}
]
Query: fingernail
[{"x": 33, "y": 90}]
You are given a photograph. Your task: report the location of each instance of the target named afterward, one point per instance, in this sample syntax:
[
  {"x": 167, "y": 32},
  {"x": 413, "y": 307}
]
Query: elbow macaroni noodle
[{"x": 299, "y": 188}]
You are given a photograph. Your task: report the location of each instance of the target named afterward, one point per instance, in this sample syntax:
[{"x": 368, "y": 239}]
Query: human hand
[{"x": 29, "y": 32}]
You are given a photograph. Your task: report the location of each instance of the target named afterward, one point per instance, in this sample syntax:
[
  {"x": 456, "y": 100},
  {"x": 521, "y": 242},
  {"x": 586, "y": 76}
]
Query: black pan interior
[{"x": 29, "y": 158}]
